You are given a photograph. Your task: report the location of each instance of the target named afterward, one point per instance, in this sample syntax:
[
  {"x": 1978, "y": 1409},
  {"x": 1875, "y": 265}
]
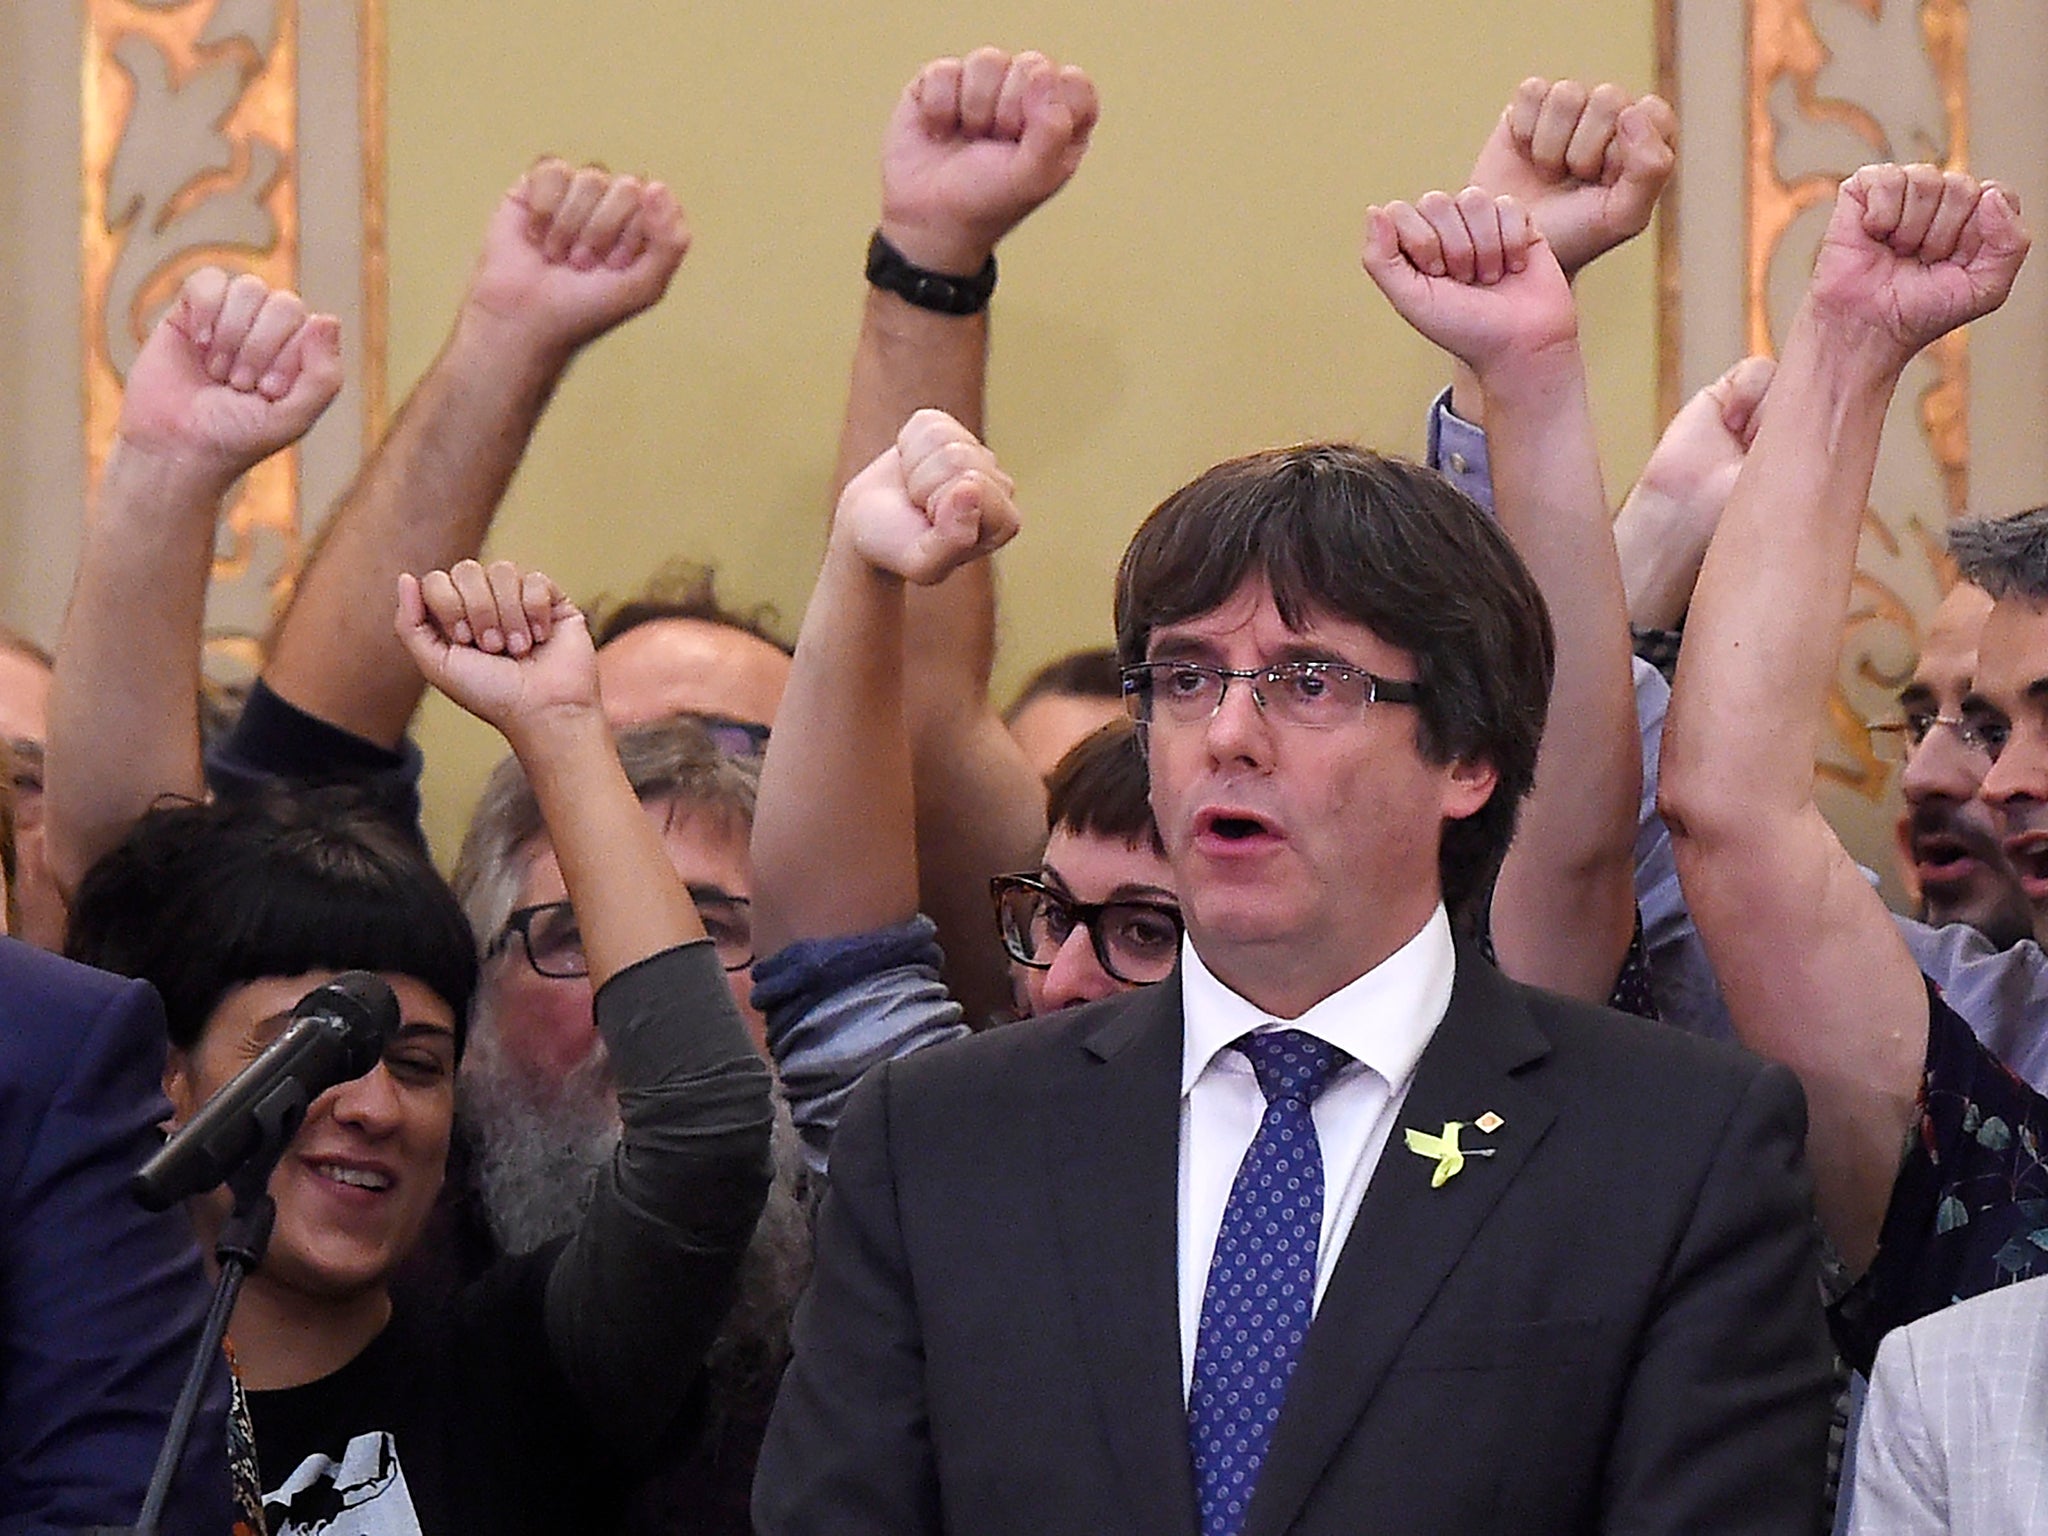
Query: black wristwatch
[{"x": 889, "y": 269}]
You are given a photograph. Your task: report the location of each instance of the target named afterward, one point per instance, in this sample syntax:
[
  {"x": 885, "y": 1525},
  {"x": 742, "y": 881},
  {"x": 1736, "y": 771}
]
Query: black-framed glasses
[
  {"x": 1136, "y": 942},
  {"x": 1316, "y": 694},
  {"x": 553, "y": 939},
  {"x": 1895, "y": 740}
]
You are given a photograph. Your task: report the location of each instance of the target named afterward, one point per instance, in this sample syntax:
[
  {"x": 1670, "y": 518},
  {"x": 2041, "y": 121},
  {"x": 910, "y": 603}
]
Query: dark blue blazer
[
  {"x": 1611, "y": 1325},
  {"x": 101, "y": 1303}
]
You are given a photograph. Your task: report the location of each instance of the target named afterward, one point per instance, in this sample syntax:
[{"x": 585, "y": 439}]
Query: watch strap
[{"x": 889, "y": 269}]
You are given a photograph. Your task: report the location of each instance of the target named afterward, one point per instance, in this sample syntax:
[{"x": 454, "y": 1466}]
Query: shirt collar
[{"x": 1383, "y": 1019}]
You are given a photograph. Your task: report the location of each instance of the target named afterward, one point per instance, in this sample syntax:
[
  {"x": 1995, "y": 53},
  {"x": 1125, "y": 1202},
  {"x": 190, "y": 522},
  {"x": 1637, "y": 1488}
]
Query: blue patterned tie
[{"x": 1262, "y": 1281}]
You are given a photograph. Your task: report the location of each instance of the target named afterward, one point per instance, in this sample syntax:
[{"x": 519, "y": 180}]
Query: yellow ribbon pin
[{"x": 1450, "y": 1157}]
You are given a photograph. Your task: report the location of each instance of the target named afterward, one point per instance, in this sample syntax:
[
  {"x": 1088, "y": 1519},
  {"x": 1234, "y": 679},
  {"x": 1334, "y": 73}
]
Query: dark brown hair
[
  {"x": 1091, "y": 674},
  {"x": 201, "y": 897},
  {"x": 1101, "y": 789},
  {"x": 1381, "y": 542}
]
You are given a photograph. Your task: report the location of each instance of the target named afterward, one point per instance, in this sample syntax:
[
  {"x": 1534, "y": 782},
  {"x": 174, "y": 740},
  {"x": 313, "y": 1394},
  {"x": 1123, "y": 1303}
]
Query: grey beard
[
  {"x": 539, "y": 1148},
  {"x": 539, "y": 1151},
  {"x": 751, "y": 1349}
]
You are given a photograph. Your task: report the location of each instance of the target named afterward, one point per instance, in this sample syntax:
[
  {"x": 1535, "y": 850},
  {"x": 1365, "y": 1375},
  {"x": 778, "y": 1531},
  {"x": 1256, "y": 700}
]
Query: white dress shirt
[{"x": 1382, "y": 1021}]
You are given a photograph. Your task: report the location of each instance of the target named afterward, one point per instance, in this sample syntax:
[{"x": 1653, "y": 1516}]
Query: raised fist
[
  {"x": 504, "y": 644},
  {"x": 1472, "y": 273},
  {"x": 1663, "y": 529},
  {"x": 1696, "y": 460},
  {"x": 1589, "y": 165},
  {"x": 973, "y": 146},
  {"x": 233, "y": 372},
  {"x": 930, "y": 504},
  {"x": 572, "y": 252},
  {"x": 1912, "y": 252}
]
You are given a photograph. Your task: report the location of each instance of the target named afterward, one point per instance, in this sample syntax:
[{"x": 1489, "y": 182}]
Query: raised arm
[
  {"x": 1814, "y": 973},
  {"x": 834, "y": 844},
  {"x": 1473, "y": 274},
  {"x": 1663, "y": 529},
  {"x": 636, "y": 1297},
  {"x": 973, "y": 146},
  {"x": 568, "y": 255},
  {"x": 233, "y": 372},
  {"x": 1587, "y": 163}
]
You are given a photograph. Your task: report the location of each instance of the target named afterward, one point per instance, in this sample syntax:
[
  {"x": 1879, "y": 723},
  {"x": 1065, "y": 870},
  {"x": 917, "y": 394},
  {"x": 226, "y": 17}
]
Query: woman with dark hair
[
  {"x": 526, "y": 1401},
  {"x": 1099, "y": 914}
]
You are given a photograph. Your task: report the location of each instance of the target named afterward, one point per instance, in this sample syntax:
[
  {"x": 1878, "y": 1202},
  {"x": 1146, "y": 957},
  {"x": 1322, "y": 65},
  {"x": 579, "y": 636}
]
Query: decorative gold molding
[
  {"x": 1945, "y": 404},
  {"x": 191, "y": 135},
  {"x": 214, "y": 134},
  {"x": 1783, "y": 44}
]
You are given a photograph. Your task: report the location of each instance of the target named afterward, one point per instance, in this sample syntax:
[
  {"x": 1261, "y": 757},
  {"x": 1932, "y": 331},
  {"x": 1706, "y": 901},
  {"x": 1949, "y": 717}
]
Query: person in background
[
  {"x": 25, "y": 672},
  {"x": 1951, "y": 1441},
  {"x": 1062, "y": 702},
  {"x": 675, "y": 648},
  {"x": 848, "y": 956},
  {"x": 538, "y": 1115},
  {"x": 570, "y": 253},
  {"x": 1949, "y": 842}
]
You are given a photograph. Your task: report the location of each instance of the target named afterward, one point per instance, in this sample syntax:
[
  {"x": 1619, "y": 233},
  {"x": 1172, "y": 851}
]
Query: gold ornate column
[{"x": 207, "y": 139}]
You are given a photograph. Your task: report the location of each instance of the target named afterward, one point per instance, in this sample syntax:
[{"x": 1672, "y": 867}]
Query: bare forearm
[
  {"x": 1575, "y": 841},
  {"x": 1659, "y": 568},
  {"x": 905, "y": 360},
  {"x": 124, "y": 726},
  {"x": 423, "y": 501},
  {"x": 979, "y": 807},
  {"x": 1765, "y": 623},
  {"x": 1814, "y": 974},
  {"x": 629, "y": 902},
  {"x": 834, "y": 833}
]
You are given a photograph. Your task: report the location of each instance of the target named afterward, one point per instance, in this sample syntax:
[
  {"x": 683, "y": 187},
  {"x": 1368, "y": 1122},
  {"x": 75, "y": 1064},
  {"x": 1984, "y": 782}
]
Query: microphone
[{"x": 337, "y": 1032}]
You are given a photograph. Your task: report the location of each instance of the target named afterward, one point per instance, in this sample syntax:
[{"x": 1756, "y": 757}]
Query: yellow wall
[{"x": 1194, "y": 294}]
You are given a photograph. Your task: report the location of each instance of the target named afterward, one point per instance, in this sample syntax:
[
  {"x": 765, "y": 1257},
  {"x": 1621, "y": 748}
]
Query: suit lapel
[
  {"x": 1407, "y": 1236},
  {"x": 1113, "y": 1161}
]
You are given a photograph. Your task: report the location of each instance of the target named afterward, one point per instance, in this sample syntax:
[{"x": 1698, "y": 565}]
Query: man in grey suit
[
  {"x": 1954, "y": 1436},
  {"x": 1337, "y": 1229}
]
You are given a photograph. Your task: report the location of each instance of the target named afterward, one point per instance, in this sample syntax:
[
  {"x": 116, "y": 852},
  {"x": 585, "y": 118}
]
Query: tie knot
[{"x": 1291, "y": 1063}]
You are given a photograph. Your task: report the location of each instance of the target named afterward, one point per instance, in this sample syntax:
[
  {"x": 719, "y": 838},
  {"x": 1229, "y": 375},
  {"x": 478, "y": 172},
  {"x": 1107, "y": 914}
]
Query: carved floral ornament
[{"x": 192, "y": 156}]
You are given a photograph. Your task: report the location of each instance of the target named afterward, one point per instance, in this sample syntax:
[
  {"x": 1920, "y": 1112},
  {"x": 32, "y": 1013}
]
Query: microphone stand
[{"x": 243, "y": 1239}]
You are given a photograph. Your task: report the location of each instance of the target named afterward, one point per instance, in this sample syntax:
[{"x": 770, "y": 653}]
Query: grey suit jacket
[
  {"x": 1954, "y": 1435},
  {"x": 1612, "y": 1324}
]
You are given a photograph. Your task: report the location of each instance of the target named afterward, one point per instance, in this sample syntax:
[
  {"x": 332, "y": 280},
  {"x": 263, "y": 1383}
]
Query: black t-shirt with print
[{"x": 451, "y": 1420}]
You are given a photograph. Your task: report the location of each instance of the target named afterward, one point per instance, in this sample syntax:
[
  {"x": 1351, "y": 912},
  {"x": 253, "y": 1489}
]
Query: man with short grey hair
[
  {"x": 535, "y": 1088},
  {"x": 2006, "y": 556}
]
